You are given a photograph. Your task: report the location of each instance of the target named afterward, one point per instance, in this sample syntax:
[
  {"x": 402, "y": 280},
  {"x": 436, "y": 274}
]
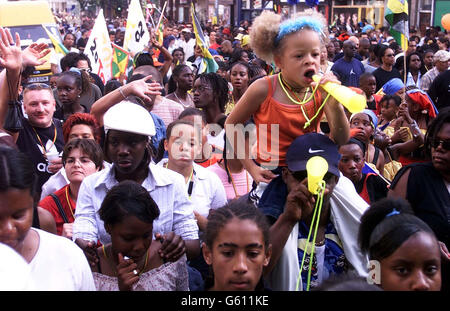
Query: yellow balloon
[
  {"x": 351, "y": 100},
  {"x": 445, "y": 21},
  {"x": 316, "y": 167}
]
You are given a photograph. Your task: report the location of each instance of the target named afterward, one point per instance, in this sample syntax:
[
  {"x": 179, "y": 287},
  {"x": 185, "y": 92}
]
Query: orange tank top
[{"x": 271, "y": 150}]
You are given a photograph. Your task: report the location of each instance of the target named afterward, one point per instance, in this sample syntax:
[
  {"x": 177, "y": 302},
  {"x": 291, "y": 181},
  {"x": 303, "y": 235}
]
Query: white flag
[
  {"x": 136, "y": 33},
  {"x": 99, "y": 49}
]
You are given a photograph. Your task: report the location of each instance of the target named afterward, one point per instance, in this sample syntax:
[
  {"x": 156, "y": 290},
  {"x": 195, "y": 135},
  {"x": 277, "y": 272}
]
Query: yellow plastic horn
[
  {"x": 351, "y": 100},
  {"x": 316, "y": 167}
]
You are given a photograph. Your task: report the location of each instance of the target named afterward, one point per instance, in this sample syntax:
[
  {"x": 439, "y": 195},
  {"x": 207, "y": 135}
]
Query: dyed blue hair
[{"x": 294, "y": 25}]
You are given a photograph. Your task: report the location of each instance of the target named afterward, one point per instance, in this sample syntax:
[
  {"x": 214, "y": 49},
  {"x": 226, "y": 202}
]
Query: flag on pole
[
  {"x": 119, "y": 60},
  {"x": 99, "y": 49},
  {"x": 159, "y": 34},
  {"x": 208, "y": 64},
  {"x": 396, "y": 15},
  {"x": 57, "y": 44},
  {"x": 136, "y": 32}
]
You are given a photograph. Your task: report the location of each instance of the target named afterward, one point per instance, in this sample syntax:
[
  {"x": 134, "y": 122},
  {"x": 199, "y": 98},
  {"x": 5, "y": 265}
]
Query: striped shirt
[{"x": 167, "y": 109}]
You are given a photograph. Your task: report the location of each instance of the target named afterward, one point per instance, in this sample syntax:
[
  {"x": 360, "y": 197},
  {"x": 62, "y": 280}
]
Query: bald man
[
  {"x": 355, "y": 40},
  {"x": 348, "y": 69},
  {"x": 364, "y": 46},
  {"x": 226, "y": 49}
]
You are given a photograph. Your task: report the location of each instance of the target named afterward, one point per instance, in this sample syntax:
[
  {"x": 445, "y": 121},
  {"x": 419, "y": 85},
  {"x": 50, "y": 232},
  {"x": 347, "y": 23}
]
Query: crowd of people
[{"x": 173, "y": 178}]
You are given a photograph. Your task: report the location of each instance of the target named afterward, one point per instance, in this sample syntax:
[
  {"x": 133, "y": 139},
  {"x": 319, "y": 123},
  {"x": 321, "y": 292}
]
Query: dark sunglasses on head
[
  {"x": 37, "y": 86},
  {"x": 437, "y": 142}
]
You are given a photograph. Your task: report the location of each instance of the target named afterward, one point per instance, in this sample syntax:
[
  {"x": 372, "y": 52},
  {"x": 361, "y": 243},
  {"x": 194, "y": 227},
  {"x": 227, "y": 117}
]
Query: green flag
[
  {"x": 119, "y": 61},
  {"x": 396, "y": 15}
]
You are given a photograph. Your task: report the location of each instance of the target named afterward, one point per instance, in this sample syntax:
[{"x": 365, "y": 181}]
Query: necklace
[
  {"x": 234, "y": 185},
  {"x": 302, "y": 103},
  {"x": 191, "y": 181},
  {"x": 68, "y": 202},
  {"x": 114, "y": 268},
  {"x": 180, "y": 101},
  {"x": 44, "y": 153}
]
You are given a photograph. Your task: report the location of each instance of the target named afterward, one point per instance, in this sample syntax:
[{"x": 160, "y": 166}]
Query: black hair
[
  {"x": 219, "y": 87},
  {"x": 435, "y": 126},
  {"x": 82, "y": 56},
  {"x": 112, "y": 85},
  {"x": 346, "y": 282},
  {"x": 219, "y": 218},
  {"x": 236, "y": 55},
  {"x": 88, "y": 146},
  {"x": 386, "y": 225},
  {"x": 246, "y": 65},
  {"x": 394, "y": 46},
  {"x": 81, "y": 79},
  {"x": 69, "y": 60},
  {"x": 143, "y": 58},
  {"x": 222, "y": 65},
  {"x": 69, "y": 33},
  {"x": 172, "y": 85},
  {"x": 381, "y": 52},
  {"x": 178, "y": 50},
  {"x": 191, "y": 111},
  {"x": 422, "y": 69},
  {"x": 359, "y": 143},
  {"x": 128, "y": 198},
  {"x": 17, "y": 171},
  {"x": 136, "y": 76},
  {"x": 397, "y": 100},
  {"x": 365, "y": 76}
]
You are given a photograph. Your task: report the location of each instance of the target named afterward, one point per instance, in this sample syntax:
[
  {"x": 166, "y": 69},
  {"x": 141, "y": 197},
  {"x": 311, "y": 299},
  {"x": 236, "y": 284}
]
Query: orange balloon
[{"x": 445, "y": 21}]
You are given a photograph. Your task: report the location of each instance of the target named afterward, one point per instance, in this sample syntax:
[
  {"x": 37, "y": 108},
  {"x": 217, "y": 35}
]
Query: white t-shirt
[
  {"x": 15, "y": 272},
  {"x": 60, "y": 265}
]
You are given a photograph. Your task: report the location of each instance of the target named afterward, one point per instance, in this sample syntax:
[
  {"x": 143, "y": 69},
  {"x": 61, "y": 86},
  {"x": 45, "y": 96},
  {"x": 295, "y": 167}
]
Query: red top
[
  {"x": 49, "y": 204},
  {"x": 290, "y": 121}
]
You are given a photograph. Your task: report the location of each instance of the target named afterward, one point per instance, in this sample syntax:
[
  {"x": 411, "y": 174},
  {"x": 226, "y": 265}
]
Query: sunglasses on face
[{"x": 444, "y": 143}]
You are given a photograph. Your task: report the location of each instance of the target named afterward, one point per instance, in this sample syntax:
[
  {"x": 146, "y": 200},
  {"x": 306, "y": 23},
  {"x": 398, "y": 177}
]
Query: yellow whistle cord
[{"x": 314, "y": 226}]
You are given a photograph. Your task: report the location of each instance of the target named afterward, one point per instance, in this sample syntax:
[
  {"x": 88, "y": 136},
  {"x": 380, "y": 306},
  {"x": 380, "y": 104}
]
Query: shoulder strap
[
  {"x": 60, "y": 208},
  {"x": 375, "y": 155}
]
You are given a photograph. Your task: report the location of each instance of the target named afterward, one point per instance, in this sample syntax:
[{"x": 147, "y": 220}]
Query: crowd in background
[{"x": 139, "y": 178}]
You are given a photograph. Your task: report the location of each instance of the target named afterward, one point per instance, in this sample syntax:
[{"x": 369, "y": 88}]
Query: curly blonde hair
[{"x": 266, "y": 29}]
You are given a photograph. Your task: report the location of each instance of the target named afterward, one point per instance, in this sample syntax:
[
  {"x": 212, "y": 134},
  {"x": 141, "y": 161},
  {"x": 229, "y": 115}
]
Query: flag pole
[
  {"x": 162, "y": 15},
  {"x": 405, "y": 73}
]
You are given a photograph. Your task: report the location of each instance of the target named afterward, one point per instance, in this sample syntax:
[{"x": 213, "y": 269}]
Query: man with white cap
[
  {"x": 128, "y": 129},
  {"x": 441, "y": 62},
  {"x": 187, "y": 42}
]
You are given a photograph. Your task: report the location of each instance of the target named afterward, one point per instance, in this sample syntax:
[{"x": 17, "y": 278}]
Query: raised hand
[
  {"x": 142, "y": 89},
  {"x": 33, "y": 55},
  {"x": 11, "y": 53}
]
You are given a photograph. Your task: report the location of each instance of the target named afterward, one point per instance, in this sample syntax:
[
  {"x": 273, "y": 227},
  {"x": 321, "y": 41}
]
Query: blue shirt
[
  {"x": 348, "y": 72},
  {"x": 160, "y": 129}
]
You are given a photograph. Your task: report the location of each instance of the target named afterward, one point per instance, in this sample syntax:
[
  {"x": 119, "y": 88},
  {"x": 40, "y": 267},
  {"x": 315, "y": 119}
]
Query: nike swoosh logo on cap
[{"x": 315, "y": 151}]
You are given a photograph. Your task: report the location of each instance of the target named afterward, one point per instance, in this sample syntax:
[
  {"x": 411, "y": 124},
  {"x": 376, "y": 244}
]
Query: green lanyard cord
[
  {"x": 314, "y": 226},
  {"x": 305, "y": 100},
  {"x": 308, "y": 121}
]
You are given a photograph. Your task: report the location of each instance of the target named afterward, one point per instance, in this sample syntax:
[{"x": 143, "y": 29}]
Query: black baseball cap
[{"x": 309, "y": 145}]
